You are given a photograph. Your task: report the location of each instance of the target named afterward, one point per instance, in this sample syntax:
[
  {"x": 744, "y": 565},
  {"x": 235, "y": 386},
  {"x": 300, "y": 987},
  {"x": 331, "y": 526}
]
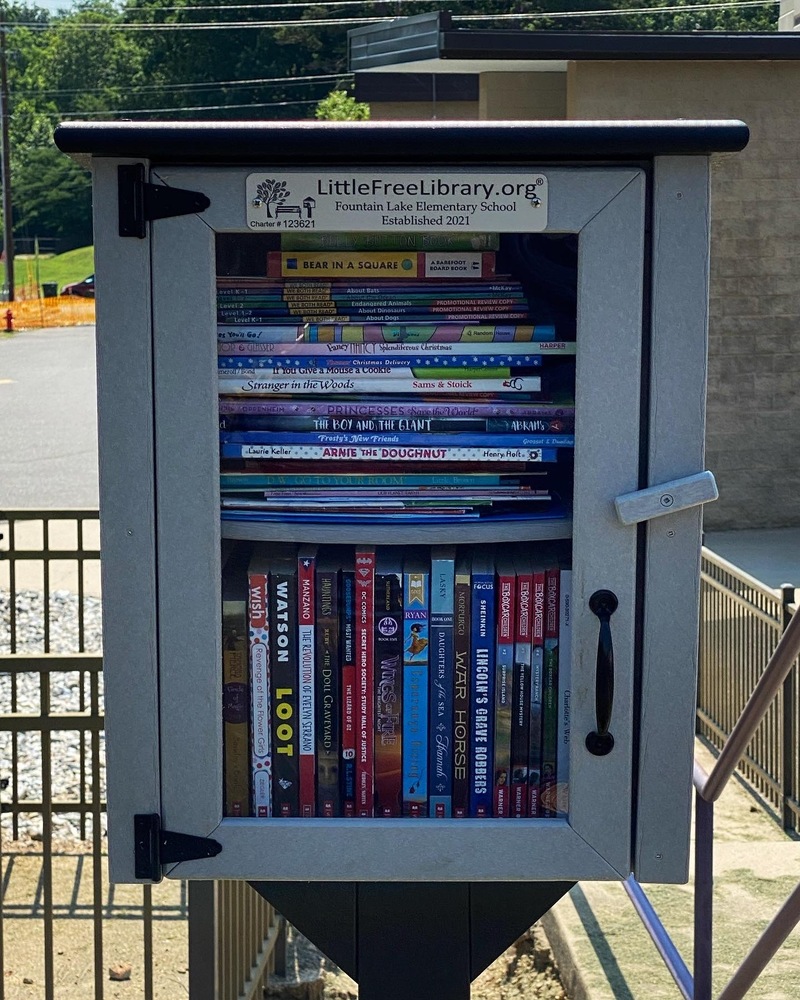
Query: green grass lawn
[{"x": 61, "y": 269}]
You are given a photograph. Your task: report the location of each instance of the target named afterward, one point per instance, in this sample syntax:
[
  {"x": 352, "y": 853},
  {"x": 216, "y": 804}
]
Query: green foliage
[
  {"x": 52, "y": 196},
  {"x": 339, "y": 106}
]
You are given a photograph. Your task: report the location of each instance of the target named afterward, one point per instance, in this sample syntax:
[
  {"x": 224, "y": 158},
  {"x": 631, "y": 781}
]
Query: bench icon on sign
[{"x": 288, "y": 210}]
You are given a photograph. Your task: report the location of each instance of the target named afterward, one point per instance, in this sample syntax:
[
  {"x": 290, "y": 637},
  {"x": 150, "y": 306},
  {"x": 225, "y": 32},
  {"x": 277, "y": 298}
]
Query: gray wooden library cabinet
[{"x": 616, "y": 218}]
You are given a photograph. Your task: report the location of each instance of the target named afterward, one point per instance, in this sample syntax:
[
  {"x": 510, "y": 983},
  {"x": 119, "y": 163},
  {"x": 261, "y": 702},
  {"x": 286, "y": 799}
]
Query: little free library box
[{"x": 401, "y": 453}]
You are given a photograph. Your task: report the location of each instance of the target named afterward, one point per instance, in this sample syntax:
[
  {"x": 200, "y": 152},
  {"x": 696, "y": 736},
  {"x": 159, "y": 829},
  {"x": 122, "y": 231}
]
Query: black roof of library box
[{"x": 364, "y": 143}]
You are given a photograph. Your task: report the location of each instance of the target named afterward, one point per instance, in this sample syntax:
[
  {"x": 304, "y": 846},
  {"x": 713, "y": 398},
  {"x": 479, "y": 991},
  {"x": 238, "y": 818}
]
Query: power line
[
  {"x": 617, "y": 12},
  {"x": 287, "y": 81},
  {"x": 171, "y": 111}
]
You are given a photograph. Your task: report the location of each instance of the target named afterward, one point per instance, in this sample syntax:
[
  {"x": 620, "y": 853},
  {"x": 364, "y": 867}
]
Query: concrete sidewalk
[{"x": 604, "y": 952}]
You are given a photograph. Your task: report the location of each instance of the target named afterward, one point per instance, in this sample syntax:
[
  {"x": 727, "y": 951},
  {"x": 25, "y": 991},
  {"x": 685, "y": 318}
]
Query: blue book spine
[
  {"x": 482, "y": 688},
  {"x": 416, "y": 652},
  {"x": 370, "y": 438},
  {"x": 440, "y": 754},
  {"x": 377, "y": 363}
]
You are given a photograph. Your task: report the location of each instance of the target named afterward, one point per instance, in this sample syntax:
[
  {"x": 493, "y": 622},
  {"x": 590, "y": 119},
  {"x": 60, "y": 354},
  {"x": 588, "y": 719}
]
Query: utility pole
[{"x": 8, "y": 222}]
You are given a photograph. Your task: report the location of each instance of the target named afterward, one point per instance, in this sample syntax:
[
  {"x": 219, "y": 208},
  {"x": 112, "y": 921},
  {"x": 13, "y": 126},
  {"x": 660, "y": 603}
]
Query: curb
[{"x": 564, "y": 954}]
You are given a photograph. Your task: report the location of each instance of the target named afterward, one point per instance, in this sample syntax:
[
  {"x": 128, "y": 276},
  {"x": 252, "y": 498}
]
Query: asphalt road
[{"x": 48, "y": 424}]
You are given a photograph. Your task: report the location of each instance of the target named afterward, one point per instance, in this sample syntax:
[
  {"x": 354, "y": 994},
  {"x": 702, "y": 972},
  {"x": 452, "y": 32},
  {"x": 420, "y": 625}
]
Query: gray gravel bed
[{"x": 68, "y": 692}]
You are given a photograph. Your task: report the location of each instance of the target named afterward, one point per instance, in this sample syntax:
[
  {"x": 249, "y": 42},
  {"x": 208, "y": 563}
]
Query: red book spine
[
  {"x": 537, "y": 679},
  {"x": 504, "y": 675},
  {"x": 306, "y": 564},
  {"x": 365, "y": 682}
]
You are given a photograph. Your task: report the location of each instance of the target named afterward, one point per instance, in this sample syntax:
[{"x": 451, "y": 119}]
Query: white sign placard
[{"x": 363, "y": 201}]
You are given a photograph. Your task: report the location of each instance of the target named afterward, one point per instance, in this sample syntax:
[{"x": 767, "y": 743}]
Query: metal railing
[
  {"x": 52, "y": 803},
  {"x": 741, "y": 622},
  {"x": 741, "y": 619}
]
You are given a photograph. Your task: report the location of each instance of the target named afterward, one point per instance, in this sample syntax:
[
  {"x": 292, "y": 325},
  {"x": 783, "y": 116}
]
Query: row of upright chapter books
[
  {"x": 396, "y": 682},
  {"x": 426, "y": 393}
]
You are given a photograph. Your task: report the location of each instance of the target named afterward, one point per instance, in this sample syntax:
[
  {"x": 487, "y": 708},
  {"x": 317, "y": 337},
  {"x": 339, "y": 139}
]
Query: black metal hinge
[
  {"x": 141, "y": 202},
  {"x": 154, "y": 847}
]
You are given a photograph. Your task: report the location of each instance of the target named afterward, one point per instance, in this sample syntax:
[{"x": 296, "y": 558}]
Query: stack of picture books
[
  {"x": 389, "y": 682},
  {"x": 362, "y": 382}
]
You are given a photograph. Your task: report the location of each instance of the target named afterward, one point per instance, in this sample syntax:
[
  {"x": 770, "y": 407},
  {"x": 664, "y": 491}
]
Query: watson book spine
[
  {"x": 482, "y": 664},
  {"x": 327, "y": 687},
  {"x": 347, "y": 639},
  {"x": 306, "y": 567},
  {"x": 461, "y": 699},
  {"x": 260, "y": 702},
  {"x": 388, "y": 683},
  {"x": 283, "y": 662},
  {"x": 440, "y": 735},
  {"x": 365, "y": 681},
  {"x": 416, "y": 641}
]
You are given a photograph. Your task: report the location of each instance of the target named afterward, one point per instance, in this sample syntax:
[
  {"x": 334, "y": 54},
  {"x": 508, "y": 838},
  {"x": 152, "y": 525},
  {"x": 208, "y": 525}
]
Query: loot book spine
[
  {"x": 388, "y": 653},
  {"x": 461, "y": 700},
  {"x": 440, "y": 731},
  {"x": 416, "y": 642},
  {"x": 283, "y": 665},
  {"x": 365, "y": 681},
  {"x": 482, "y": 662},
  {"x": 306, "y": 566},
  {"x": 327, "y": 690}
]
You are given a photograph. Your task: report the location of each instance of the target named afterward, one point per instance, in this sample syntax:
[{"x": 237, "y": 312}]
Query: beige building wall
[
  {"x": 754, "y": 346},
  {"x": 383, "y": 111},
  {"x": 521, "y": 96}
]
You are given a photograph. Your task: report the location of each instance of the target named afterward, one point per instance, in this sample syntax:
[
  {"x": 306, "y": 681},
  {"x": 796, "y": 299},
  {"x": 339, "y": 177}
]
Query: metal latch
[
  {"x": 655, "y": 501},
  {"x": 155, "y": 847}
]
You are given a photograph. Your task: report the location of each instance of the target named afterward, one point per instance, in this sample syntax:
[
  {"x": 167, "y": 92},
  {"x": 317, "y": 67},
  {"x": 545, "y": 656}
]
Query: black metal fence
[
  {"x": 741, "y": 621},
  {"x": 63, "y": 926}
]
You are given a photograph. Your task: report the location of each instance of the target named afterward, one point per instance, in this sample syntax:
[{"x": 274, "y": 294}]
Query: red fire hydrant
[{"x": 9, "y": 321}]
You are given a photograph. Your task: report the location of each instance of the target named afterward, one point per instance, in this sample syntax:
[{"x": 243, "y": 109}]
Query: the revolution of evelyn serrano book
[
  {"x": 504, "y": 684},
  {"x": 306, "y": 571},
  {"x": 282, "y": 614},
  {"x": 521, "y": 695},
  {"x": 440, "y": 735},
  {"x": 261, "y": 755},
  {"x": 365, "y": 681},
  {"x": 482, "y": 685},
  {"x": 537, "y": 689},
  {"x": 461, "y": 700},
  {"x": 416, "y": 642},
  {"x": 347, "y": 648},
  {"x": 388, "y": 655},
  {"x": 550, "y": 695},
  {"x": 328, "y": 707},
  {"x": 235, "y": 687}
]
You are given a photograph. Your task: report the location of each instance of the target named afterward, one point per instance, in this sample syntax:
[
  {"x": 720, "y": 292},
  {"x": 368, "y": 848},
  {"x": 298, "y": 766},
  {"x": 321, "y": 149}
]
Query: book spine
[
  {"x": 244, "y": 481},
  {"x": 564, "y": 692},
  {"x": 482, "y": 694},
  {"x": 386, "y": 453},
  {"x": 537, "y": 693},
  {"x": 389, "y": 241},
  {"x": 283, "y": 663},
  {"x": 392, "y": 367},
  {"x": 348, "y": 685},
  {"x": 502, "y": 442},
  {"x": 503, "y": 691},
  {"x": 421, "y": 426},
  {"x": 236, "y": 707},
  {"x": 260, "y": 702},
  {"x": 372, "y": 408},
  {"x": 327, "y": 693},
  {"x": 381, "y": 350},
  {"x": 550, "y": 696},
  {"x": 388, "y": 694},
  {"x": 415, "y": 693},
  {"x": 461, "y": 700},
  {"x": 274, "y": 385},
  {"x": 521, "y": 697},
  {"x": 424, "y": 331},
  {"x": 306, "y": 566},
  {"x": 365, "y": 682},
  {"x": 386, "y": 264},
  {"x": 440, "y": 737}
]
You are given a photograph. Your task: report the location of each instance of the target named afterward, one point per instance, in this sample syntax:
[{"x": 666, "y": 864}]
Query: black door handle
[{"x": 603, "y": 603}]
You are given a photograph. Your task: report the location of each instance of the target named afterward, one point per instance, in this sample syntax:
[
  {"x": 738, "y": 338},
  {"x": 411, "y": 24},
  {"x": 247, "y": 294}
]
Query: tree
[{"x": 339, "y": 106}]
